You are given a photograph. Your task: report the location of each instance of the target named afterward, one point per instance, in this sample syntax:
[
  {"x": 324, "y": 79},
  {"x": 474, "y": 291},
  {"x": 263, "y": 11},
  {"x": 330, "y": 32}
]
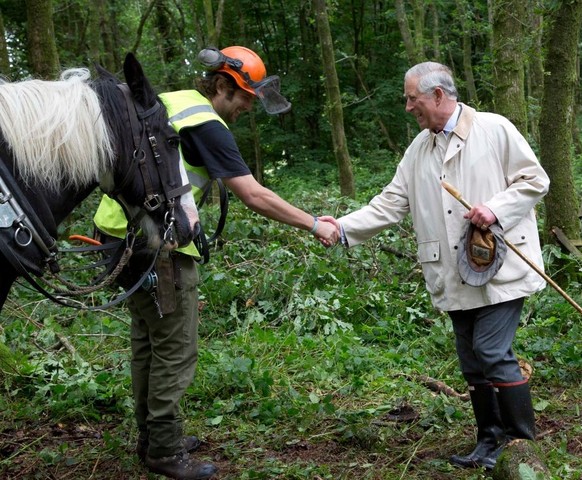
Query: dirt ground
[{"x": 47, "y": 450}]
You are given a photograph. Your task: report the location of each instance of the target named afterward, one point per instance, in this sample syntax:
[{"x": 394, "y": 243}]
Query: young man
[
  {"x": 164, "y": 350},
  {"x": 485, "y": 157}
]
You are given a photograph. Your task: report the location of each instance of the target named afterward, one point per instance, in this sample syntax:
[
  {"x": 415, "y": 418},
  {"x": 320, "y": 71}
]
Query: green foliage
[
  {"x": 301, "y": 348},
  {"x": 307, "y": 356},
  {"x": 528, "y": 473}
]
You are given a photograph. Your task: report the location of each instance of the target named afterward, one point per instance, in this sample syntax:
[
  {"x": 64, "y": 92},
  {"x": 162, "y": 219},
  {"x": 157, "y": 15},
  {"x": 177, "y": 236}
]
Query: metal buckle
[{"x": 153, "y": 202}]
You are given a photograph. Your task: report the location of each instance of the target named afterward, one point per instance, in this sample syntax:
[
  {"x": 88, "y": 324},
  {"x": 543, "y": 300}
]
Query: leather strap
[
  {"x": 201, "y": 241},
  {"x": 21, "y": 270}
]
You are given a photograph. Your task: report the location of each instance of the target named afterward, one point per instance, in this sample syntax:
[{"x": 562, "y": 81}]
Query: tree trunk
[
  {"x": 42, "y": 49},
  {"x": 521, "y": 459},
  {"x": 311, "y": 93},
  {"x": 410, "y": 41},
  {"x": 535, "y": 68},
  {"x": 466, "y": 27},
  {"x": 418, "y": 16},
  {"x": 99, "y": 36},
  {"x": 213, "y": 22},
  {"x": 436, "y": 32},
  {"x": 4, "y": 60},
  {"x": 336, "y": 116},
  {"x": 557, "y": 116},
  {"x": 508, "y": 61},
  {"x": 106, "y": 33}
]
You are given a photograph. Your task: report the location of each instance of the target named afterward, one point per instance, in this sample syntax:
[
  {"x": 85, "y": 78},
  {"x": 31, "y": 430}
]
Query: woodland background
[{"x": 314, "y": 363}]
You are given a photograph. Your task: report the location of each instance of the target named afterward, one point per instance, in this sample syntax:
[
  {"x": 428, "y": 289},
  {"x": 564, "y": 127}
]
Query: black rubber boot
[
  {"x": 489, "y": 429},
  {"x": 516, "y": 409},
  {"x": 180, "y": 467},
  {"x": 190, "y": 444}
]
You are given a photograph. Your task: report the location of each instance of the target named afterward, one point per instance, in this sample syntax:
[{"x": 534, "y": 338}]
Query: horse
[{"x": 61, "y": 139}]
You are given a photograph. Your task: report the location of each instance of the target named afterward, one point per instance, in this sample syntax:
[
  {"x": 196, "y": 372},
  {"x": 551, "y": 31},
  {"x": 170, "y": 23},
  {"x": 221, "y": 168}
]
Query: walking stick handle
[{"x": 455, "y": 193}]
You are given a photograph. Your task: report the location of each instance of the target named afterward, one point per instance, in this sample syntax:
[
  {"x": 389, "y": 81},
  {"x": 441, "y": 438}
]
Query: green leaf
[
  {"x": 216, "y": 420},
  {"x": 526, "y": 472}
]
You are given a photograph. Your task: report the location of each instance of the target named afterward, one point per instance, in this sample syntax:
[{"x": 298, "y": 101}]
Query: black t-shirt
[{"x": 212, "y": 145}]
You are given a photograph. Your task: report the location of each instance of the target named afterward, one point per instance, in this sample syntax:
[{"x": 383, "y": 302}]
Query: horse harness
[
  {"x": 153, "y": 200},
  {"x": 27, "y": 245}
]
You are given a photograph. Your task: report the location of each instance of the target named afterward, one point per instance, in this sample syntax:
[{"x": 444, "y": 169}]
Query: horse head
[{"x": 148, "y": 179}]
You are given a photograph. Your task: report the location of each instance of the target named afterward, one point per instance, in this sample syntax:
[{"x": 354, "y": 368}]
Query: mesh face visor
[
  {"x": 268, "y": 90},
  {"x": 268, "y": 93}
]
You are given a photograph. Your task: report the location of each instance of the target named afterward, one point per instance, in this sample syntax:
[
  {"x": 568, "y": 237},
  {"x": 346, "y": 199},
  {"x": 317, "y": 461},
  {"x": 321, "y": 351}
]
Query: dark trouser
[
  {"x": 483, "y": 340},
  {"x": 499, "y": 394},
  {"x": 164, "y": 356}
]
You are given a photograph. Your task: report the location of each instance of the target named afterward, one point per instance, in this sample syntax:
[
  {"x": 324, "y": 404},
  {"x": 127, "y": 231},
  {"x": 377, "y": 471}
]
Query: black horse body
[{"x": 125, "y": 177}]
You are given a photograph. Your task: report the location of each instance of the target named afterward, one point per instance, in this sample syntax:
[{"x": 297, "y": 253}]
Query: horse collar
[{"x": 28, "y": 239}]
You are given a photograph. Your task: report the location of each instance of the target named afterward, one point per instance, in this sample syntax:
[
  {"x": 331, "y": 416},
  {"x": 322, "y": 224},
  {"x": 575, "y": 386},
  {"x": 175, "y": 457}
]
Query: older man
[{"x": 485, "y": 157}]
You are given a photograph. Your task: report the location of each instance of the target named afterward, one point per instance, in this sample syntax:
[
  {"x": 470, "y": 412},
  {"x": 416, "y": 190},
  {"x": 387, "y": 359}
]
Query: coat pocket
[
  {"x": 515, "y": 269},
  {"x": 429, "y": 255},
  {"x": 429, "y": 251}
]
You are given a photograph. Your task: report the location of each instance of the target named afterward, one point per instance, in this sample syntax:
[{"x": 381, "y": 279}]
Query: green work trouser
[{"x": 164, "y": 355}]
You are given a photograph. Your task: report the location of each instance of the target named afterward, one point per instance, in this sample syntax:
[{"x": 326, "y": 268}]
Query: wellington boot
[
  {"x": 190, "y": 444},
  {"x": 489, "y": 429},
  {"x": 180, "y": 467},
  {"x": 516, "y": 410},
  {"x": 484, "y": 455}
]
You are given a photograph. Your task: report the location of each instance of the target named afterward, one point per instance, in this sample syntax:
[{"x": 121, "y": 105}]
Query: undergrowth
[{"x": 313, "y": 365}]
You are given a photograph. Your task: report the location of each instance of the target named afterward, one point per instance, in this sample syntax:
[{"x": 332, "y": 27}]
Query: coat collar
[
  {"x": 465, "y": 121},
  {"x": 462, "y": 128}
]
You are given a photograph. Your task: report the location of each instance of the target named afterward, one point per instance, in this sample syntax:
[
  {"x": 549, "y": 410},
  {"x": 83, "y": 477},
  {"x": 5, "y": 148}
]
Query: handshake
[{"x": 327, "y": 230}]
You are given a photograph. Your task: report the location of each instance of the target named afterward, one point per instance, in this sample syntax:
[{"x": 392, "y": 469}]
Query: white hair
[
  {"x": 56, "y": 130},
  {"x": 432, "y": 75}
]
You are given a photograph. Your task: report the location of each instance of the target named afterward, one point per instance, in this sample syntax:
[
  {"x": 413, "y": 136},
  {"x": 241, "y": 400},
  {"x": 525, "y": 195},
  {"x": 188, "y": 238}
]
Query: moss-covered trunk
[{"x": 557, "y": 115}]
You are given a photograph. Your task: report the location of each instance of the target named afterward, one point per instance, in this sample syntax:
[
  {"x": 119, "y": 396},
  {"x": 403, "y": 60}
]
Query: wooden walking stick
[{"x": 455, "y": 193}]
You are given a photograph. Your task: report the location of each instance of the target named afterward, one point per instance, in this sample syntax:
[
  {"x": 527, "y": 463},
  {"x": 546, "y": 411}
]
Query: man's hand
[
  {"x": 328, "y": 230},
  {"x": 480, "y": 216}
]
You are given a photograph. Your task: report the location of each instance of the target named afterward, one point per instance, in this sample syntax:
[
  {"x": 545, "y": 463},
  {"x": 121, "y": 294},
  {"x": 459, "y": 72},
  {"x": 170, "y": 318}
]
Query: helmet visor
[{"x": 268, "y": 92}]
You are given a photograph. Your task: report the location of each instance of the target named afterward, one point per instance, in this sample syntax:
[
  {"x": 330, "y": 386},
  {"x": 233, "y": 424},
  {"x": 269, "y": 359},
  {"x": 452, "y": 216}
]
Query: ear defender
[{"x": 213, "y": 59}]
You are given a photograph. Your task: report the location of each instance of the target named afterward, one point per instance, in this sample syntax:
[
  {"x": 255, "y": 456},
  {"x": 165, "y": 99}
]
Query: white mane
[{"x": 56, "y": 130}]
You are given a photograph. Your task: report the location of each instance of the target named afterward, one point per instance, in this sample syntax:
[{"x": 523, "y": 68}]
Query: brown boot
[
  {"x": 180, "y": 467},
  {"x": 190, "y": 444}
]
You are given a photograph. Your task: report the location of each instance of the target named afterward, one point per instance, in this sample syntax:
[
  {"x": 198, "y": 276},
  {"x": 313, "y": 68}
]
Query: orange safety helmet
[
  {"x": 249, "y": 72},
  {"x": 252, "y": 65}
]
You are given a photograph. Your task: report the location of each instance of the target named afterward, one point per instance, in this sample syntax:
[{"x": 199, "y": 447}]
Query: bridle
[
  {"x": 140, "y": 128},
  {"x": 142, "y": 153}
]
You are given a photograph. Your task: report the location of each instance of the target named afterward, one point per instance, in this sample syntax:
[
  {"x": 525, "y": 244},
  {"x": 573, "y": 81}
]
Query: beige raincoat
[{"x": 489, "y": 162}]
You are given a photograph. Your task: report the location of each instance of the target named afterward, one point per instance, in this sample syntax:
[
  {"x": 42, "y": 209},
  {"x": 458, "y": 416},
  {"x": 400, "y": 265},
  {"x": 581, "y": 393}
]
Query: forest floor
[
  {"x": 312, "y": 366},
  {"x": 42, "y": 449}
]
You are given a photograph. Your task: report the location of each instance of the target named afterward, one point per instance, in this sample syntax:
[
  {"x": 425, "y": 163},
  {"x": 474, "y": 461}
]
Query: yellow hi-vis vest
[{"x": 186, "y": 108}]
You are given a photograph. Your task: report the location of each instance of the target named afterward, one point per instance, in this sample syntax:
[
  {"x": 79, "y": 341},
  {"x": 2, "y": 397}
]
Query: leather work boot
[
  {"x": 180, "y": 467},
  {"x": 490, "y": 438},
  {"x": 190, "y": 444}
]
